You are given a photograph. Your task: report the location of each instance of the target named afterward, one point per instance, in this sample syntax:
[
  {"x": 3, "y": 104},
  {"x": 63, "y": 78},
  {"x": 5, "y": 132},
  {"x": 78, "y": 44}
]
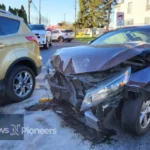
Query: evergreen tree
[
  {"x": 94, "y": 13},
  {"x": 19, "y": 12},
  {"x": 91, "y": 14},
  {"x": 2, "y": 6},
  {"x": 22, "y": 13},
  {"x": 13, "y": 11}
]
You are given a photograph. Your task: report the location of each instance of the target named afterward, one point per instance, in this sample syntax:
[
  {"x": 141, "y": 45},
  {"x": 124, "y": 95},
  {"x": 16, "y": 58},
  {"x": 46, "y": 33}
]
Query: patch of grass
[{"x": 85, "y": 39}]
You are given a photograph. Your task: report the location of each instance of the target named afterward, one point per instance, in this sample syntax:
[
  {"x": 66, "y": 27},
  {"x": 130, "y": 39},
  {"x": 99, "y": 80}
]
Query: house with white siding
[{"x": 136, "y": 12}]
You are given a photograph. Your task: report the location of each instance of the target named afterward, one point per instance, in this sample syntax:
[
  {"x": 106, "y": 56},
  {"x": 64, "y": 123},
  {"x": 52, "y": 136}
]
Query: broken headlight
[{"x": 105, "y": 89}]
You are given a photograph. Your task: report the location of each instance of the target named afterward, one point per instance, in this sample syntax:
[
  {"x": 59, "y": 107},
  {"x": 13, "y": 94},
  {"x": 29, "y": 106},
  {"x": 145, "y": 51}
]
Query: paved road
[{"x": 46, "y": 54}]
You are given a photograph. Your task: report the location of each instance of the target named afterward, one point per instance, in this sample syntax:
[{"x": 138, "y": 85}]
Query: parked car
[
  {"x": 62, "y": 35},
  {"x": 44, "y": 36},
  {"x": 112, "y": 72},
  {"x": 20, "y": 59}
]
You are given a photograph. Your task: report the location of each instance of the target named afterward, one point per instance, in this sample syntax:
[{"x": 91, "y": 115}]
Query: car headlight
[{"x": 105, "y": 89}]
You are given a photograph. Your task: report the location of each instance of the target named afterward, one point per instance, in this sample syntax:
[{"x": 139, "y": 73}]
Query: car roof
[
  {"x": 136, "y": 27},
  {"x": 9, "y": 15}
]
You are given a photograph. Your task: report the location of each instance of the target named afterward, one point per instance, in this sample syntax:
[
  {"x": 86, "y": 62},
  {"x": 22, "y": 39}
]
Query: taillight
[{"x": 32, "y": 38}]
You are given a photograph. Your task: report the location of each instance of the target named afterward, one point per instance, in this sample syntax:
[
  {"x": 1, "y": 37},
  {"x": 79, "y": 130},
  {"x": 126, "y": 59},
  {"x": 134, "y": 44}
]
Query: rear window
[
  {"x": 37, "y": 27},
  {"x": 69, "y": 31},
  {"x": 55, "y": 31},
  {"x": 9, "y": 26},
  {"x": 66, "y": 31}
]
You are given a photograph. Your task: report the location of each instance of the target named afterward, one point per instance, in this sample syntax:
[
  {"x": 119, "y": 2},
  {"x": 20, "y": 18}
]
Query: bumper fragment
[{"x": 91, "y": 120}]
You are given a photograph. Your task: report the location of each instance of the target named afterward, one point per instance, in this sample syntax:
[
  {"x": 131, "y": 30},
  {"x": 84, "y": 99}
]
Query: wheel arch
[{"x": 23, "y": 61}]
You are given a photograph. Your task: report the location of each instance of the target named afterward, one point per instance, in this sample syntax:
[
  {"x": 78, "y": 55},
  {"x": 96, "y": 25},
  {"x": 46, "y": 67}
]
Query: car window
[
  {"x": 1, "y": 33},
  {"x": 69, "y": 31},
  {"x": 37, "y": 27},
  {"x": 63, "y": 31},
  {"x": 9, "y": 26},
  {"x": 66, "y": 31},
  {"x": 117, "y": 38},
  {"x": 56, "y": 31},
  {"x": 123, "y": 36}
]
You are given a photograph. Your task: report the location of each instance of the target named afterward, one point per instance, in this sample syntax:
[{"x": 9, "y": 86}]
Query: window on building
[
  {"x": 130, "y": 22},
  {"x": 147, "y": 20},
  {"x": 129, "y": 7},
  {"x": 148, "y": 5}
]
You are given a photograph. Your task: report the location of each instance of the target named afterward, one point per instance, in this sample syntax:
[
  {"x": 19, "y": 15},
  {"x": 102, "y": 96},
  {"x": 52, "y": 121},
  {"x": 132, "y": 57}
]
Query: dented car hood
[{"x": 82, "y": 59}]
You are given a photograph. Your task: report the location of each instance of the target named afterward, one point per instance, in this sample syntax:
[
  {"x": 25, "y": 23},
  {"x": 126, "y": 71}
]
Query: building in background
[{"x": 136, "y": 12}]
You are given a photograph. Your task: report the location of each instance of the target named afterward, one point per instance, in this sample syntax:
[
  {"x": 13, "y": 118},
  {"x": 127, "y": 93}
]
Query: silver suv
[{"x": 62, "y": 35}]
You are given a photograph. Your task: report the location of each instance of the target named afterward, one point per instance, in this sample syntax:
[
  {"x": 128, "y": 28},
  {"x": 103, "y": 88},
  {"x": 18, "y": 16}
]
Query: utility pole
[
  {"x": 75, "y": 16},
  {"x": 39, "y": 11},
  {"x": 29, "y": 1}
]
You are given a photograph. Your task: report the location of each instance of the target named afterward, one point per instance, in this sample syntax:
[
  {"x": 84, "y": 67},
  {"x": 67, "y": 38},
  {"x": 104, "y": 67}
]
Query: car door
[
  {"x": 55, "y": 34},
  {"x": 7, "y": 52},
  {"x": 49, "y": 35}
]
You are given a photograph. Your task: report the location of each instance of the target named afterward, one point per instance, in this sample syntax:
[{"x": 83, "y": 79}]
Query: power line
[{"x": 39, "y": 12}]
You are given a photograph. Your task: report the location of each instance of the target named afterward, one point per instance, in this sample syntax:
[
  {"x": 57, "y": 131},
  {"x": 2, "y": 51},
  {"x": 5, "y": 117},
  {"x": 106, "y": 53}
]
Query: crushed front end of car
[
  {"x": 93, "y": 80},
  {"x": 89, "y": 90}
]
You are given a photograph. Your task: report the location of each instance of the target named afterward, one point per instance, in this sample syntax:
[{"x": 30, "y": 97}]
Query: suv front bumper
[{"x": 42, "y": 41}]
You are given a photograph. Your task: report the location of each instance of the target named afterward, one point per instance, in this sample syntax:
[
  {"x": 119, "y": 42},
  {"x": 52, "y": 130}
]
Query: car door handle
[{"x": 2, "y": 45}]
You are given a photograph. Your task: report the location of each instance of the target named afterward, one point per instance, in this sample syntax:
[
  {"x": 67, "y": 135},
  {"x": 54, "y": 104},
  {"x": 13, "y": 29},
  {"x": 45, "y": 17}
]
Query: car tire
[
  {"x": 14, "y": 80},
  {"x": 131, "y": 114},
  {"x": 69, "y": 41},
  {"x": 60, "y": 39},
  {"x": 50, "y": 44},
  {"x": 46, "y": 46}
]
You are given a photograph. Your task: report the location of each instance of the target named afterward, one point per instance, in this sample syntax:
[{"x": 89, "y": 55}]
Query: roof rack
[{"x": 6, "y": 12}]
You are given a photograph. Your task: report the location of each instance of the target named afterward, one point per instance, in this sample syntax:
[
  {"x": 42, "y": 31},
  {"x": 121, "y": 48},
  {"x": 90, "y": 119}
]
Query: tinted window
[
  {"x": 123, "y": 36},
  {"x": 37, "y": 27},
  {"x": 9, "y": 26},
  {"x": 69, "y": 31},
  {"x": 66, "y": 31},
  {"x": 1, "y": 33},
  {"x": 56, "y": 31}
]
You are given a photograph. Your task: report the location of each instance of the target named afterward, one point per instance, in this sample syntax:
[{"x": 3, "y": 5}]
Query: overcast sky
[{"x": 52, "y": 9}]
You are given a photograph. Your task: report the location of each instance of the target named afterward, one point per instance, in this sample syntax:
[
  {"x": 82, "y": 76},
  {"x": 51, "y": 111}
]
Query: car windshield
[
  {"x": 121, "y": 36},
  {"x": 37, "y": 27}
]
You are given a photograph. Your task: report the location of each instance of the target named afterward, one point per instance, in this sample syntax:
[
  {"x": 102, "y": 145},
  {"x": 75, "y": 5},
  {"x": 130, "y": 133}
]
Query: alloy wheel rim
[
  {"x": 23, "y": 84},
  {"x": 145, "y": 115}
]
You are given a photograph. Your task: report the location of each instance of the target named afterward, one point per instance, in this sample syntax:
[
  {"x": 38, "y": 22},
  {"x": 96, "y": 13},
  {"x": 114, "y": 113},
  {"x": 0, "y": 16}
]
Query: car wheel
[
  {"x": 69, "y": 40},
  {"x": 50, "y": 44},
  {"x": 46, "y": 46},
  {"x": 20, "y": 84},
  {"x": 60, "y": 39},
  {"x": 136, "y": 116}
]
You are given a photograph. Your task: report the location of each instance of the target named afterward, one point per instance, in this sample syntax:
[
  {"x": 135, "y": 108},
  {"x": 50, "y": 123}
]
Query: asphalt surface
[{"x": 47, "y": 53}]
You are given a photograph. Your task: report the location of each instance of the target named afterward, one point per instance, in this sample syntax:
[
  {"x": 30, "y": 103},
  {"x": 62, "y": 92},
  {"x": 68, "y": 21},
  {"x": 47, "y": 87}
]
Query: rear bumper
[{"x": 39, "y": 70}]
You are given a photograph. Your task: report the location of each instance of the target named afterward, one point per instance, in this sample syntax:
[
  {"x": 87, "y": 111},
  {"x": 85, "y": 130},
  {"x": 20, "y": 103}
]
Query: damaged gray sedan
[{"x": 113, "y": 71}]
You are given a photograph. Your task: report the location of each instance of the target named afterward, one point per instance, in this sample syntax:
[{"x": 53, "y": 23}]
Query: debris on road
[{"x": 75, "y": 121}]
